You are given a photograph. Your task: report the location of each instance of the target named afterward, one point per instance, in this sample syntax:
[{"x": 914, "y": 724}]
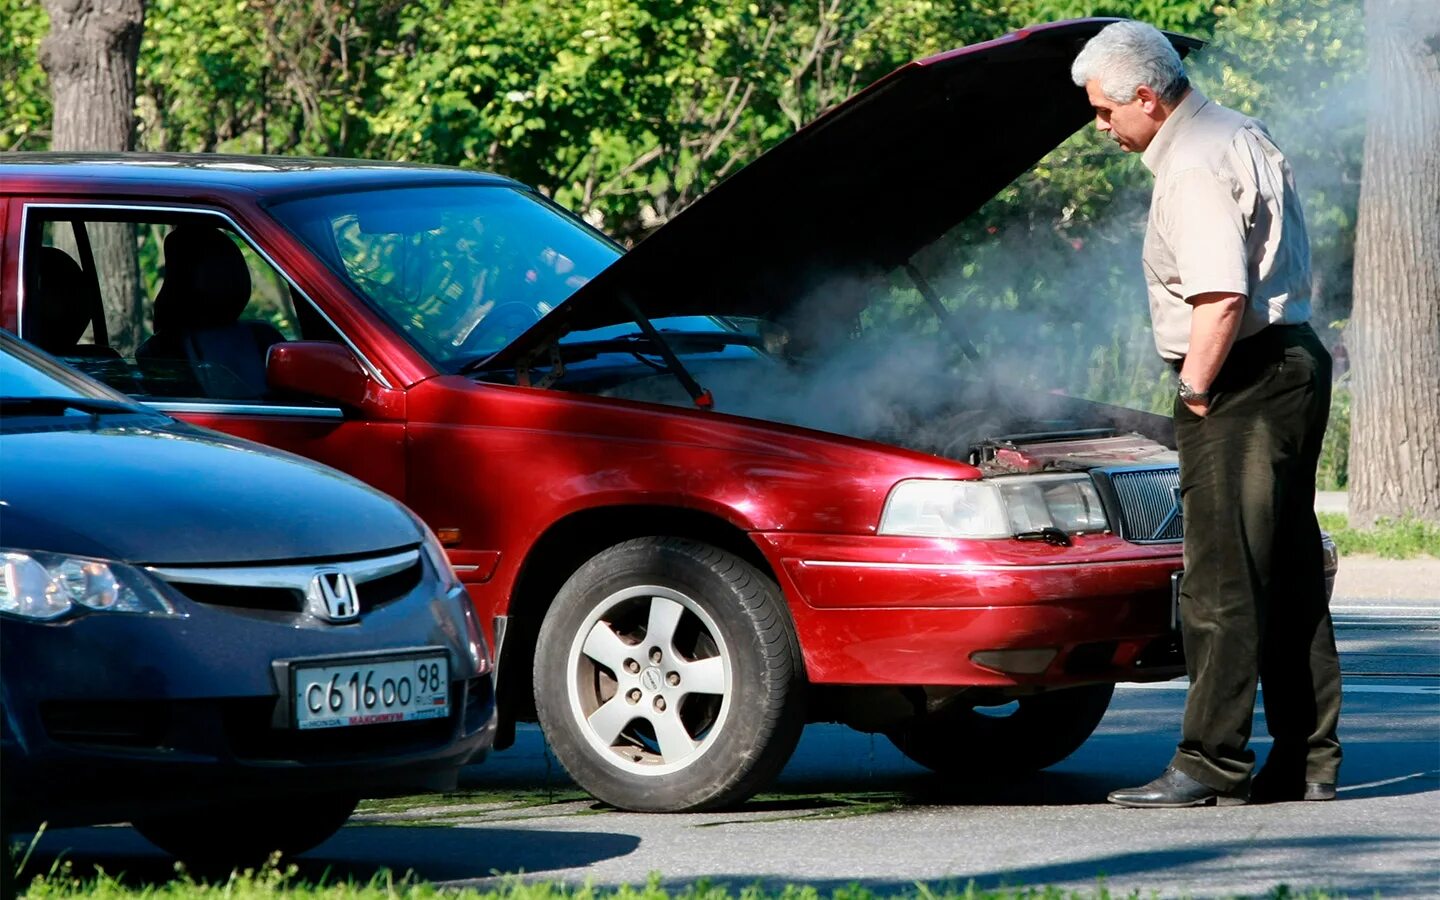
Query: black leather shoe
[
  {"x": 1173, "y": 790},
  {"x": 1268, "y": 790}
]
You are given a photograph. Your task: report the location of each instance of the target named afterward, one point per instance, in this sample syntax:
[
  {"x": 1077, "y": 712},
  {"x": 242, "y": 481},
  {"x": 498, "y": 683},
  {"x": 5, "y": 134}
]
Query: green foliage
[
  {"x": 627, "y": 111},
  {"x": 1405, "y": 539},
  {"x": 1334, "y": 472},
  {"x": 24, "y": 89},
  {"x": 263, "y": 76}
]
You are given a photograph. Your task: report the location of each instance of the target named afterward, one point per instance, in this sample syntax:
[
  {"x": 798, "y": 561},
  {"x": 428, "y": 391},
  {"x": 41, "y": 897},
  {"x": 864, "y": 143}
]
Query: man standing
[{"x": 1227, "y": 266}]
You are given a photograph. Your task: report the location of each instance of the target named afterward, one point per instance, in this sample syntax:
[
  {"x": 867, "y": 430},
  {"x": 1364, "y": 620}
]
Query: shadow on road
[{"x": 356, "y": 853}]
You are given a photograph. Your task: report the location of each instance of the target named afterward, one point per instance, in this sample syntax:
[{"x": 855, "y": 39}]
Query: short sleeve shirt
[{"x": 1224, "y": 217}]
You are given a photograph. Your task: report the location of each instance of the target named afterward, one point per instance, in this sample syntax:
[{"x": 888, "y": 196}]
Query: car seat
[
  {"x": 65, "y": 303},
  {"x": 197, "y": 321}
]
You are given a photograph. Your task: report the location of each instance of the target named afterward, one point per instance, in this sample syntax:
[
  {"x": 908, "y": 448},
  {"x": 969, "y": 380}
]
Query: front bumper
[
  {"x": 912, "y": 611},
  {"x": 107, "y": 717}
]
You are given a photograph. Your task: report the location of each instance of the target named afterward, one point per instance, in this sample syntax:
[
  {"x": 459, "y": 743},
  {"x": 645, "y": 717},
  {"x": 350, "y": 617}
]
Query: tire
[
  {"x": 668, "y": 677},
  {"x": 1041, "y": 730},
  {"x": 244, "y": 836}
]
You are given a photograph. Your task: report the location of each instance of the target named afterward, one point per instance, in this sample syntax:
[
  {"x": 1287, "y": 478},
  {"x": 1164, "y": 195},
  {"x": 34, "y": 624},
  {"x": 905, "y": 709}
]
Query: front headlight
[
  {"x": 970, "y": 509},
  {"x": 1067, "y": 502},
  {"x": 47, "y": 586},
  {"x": 1000, "y": 507}
]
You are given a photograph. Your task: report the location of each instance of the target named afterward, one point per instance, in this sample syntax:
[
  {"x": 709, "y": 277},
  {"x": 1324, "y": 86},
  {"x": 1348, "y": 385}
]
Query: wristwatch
[{"x": 1190, "y": 395}]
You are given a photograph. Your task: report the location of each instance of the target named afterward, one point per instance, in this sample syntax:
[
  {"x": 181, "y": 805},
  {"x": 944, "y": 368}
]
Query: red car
[{"x": 698, "y": 501}]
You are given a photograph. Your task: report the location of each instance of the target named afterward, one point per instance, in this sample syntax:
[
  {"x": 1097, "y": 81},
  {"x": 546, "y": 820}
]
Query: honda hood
[
  {"x": 862, "y": 188},
  {"x": 164, "y": 493}
]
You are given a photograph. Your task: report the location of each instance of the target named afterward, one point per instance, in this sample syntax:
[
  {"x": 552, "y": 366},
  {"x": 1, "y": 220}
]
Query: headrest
[
  {"x": 63, "y": 304},
  {"x": 207, "y": 283}
]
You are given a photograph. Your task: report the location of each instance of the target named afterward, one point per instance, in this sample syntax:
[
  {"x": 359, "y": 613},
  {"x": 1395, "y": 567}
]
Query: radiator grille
[
  {"x": 1149, "y": 502},
  {"x": 283, "y": 588}
]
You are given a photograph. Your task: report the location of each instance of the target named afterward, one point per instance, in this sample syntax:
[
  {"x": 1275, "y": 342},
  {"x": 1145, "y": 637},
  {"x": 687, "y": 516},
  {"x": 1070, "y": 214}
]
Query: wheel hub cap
[{"x": 650, "y": 680}]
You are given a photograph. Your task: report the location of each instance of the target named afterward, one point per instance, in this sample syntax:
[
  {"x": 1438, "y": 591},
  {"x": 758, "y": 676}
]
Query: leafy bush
[
  {"x": 1405, "y": 539},
  {"x": 1334, "y": 473}
]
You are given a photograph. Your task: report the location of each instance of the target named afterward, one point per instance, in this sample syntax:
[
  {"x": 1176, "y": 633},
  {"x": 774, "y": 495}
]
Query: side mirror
[{"x": 319, "y": 369}]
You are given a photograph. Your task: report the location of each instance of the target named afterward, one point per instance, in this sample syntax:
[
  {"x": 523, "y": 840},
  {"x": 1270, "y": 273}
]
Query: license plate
[
  {"x": 1175, "y": 599},
  {"x": 370, "y": 691}
]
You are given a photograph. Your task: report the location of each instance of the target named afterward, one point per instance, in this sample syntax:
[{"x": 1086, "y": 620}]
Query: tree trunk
[
  {"x": 90, "y": 57},
  {"x": 1395, "y": 325}
]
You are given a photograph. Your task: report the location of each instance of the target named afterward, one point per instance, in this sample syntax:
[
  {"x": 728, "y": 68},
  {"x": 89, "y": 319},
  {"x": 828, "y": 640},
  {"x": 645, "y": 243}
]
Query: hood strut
[
  {"x": 947, "y": 321},
  {"x": 702, "y": 398}
]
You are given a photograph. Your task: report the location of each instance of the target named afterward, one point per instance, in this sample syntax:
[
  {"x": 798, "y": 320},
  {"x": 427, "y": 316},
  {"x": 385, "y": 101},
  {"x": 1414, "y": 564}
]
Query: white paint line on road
[
  {"x": 1428, "y": 690},
  {"x": 1364, "y": 608},
  {"x": 1370, "y": 784}
]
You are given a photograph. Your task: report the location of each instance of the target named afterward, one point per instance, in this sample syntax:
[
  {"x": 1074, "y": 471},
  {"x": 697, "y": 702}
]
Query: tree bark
[
  {"x": 1395, "y": 325},
  {"x": 90, "y": 56}
]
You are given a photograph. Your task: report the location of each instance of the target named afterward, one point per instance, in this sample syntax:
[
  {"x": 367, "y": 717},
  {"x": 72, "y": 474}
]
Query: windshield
[
  {"x": 26, "y": 375},
  {"x": 460, "y": 271}
]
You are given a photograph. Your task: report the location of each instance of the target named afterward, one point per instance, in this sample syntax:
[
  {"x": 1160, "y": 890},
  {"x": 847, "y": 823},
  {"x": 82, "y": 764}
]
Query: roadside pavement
[{"x": 1373, "y": 578}]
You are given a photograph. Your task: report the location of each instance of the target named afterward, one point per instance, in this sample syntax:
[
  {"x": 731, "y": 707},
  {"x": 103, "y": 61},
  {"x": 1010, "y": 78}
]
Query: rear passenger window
[{"x": 175, "y": 307}]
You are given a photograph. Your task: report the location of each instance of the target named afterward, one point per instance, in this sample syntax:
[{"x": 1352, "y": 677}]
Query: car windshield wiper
[
  {"x": 648, "y": 339},
  {"x": 638, "y": 342},
  {"x": 58, "y": 406}
]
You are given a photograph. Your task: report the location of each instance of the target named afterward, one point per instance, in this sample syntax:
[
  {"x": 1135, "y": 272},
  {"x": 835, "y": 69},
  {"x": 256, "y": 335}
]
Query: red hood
[{"x": 862, "y": 188}]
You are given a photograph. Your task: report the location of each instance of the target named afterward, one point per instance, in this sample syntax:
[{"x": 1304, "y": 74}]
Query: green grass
[
  {"x": 281, "y": 881},
  {"x": 513, "y": 797},
  {"x": 1405, "y": 539}
]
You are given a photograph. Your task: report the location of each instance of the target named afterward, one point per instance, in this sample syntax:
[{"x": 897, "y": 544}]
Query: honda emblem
[{"x": 332, "y": 596}]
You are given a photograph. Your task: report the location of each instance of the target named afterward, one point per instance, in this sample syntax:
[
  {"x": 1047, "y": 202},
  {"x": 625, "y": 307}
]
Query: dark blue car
[{"x": 225, "y": 645}]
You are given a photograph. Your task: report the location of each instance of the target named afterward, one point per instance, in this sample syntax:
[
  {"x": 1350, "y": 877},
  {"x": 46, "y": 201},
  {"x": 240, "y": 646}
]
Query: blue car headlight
[{"x": 46, "y": 586}]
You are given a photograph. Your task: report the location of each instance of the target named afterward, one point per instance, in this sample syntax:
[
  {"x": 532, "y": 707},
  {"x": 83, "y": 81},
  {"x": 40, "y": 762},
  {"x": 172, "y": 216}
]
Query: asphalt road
[{"x": 850, "y": 809}]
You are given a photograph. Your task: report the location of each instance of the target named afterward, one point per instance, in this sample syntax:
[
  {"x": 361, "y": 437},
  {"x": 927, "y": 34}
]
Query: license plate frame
[
  {"x": 1175, "y": 578},
  {"x": 429, "y": 700}
]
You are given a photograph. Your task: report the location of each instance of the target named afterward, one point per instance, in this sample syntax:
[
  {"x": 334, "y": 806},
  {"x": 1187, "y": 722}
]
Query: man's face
[{"x": 1132, "y": 125}]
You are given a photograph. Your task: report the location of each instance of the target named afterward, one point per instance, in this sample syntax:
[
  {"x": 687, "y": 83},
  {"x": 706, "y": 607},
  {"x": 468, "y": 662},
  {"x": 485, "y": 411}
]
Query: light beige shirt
[{"x": 1224, "y": 216}]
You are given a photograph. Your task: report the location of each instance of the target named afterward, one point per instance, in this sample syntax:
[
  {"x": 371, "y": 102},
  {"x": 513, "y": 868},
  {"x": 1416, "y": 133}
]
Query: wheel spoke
[
  {"x": 604, "y": 646},
  {"x": 675, "y": 741},
  {"x": 610, "y": 719},
  {"x": 664, "y": 619},
  {"x": 704, "y": 676}
]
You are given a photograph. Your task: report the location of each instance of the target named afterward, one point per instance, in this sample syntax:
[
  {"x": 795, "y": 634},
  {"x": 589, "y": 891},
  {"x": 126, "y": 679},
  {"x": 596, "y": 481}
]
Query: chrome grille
[
  {"x": 1149, "y": 501},
  {"x": 282, "y": 588}
]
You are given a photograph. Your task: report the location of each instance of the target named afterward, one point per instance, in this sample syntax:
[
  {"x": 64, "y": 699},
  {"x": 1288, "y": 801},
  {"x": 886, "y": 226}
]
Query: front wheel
[
  {"x": 1031, "y": 733},
  {"x": 668, "y": 677},
  {"x": 245, "y": 835}
]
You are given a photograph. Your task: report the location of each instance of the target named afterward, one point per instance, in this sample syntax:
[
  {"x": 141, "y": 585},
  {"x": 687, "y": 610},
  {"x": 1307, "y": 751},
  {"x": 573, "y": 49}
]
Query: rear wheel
[
  {"x": 1024, "y": 736},
  {"x": 245, "y": 835},
  {"x": 668, "y": 678}
]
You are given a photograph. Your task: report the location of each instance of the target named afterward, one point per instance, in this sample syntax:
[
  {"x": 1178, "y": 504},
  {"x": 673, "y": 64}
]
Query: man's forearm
[{"x": 1214, "y": 322}]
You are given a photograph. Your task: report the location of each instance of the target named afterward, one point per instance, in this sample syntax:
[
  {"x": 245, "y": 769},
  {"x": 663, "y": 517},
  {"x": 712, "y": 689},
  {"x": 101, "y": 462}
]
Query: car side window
[{"x": 163, "y": 306}]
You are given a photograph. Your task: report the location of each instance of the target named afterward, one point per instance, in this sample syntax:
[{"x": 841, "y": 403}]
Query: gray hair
[{"x": 1125, "y": 55}]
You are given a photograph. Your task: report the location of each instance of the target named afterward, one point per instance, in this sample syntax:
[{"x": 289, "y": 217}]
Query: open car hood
[{"x": 862, "y": 188}]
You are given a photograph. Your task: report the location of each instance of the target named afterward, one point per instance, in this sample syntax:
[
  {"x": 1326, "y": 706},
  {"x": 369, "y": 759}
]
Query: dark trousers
[{"x": 1252, "y": 600}]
